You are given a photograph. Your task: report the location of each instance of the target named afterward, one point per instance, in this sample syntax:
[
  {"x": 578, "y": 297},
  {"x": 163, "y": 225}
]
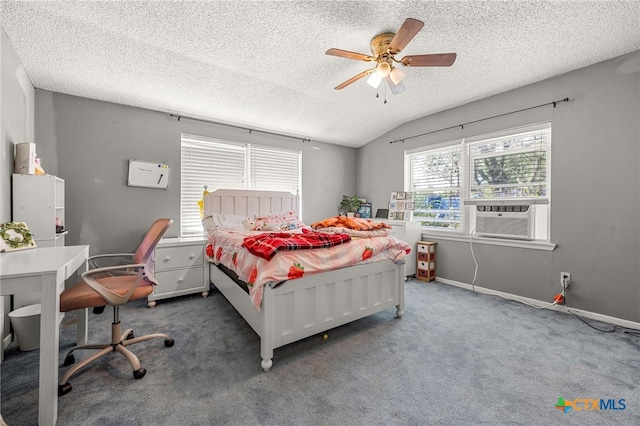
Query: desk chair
[{"x": 114, "y": 285}]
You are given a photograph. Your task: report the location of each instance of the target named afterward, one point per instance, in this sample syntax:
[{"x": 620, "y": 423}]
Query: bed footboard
[{"x": 313, "y": 304}]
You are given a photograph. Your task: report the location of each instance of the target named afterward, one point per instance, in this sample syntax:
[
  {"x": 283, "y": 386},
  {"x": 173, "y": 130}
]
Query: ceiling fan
[{"x": 384, "y": 47}]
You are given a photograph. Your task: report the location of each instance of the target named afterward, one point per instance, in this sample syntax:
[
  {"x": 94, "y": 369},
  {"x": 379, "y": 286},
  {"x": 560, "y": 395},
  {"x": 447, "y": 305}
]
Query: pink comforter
[{"x": 225, "y": 247}]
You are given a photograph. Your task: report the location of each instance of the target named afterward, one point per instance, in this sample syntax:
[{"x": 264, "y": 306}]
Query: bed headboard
[{"x": 249, "y": 203}]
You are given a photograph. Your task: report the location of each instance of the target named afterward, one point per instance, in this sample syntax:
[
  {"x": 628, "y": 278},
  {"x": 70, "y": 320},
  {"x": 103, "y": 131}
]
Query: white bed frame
[{"x": 309, "y": 305}]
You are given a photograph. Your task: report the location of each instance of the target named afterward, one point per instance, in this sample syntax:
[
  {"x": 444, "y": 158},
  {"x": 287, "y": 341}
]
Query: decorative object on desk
[
  {"x": 350, "y": 204},
  {"x": 401, "y": 206},
  {"x": 148, "y": 174},
  {"x": 364, "y": 211},
  {"x": 15, "y": 236}
]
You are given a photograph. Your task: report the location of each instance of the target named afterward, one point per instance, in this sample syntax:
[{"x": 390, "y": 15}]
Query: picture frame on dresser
[{"x": 364, "y": 211}]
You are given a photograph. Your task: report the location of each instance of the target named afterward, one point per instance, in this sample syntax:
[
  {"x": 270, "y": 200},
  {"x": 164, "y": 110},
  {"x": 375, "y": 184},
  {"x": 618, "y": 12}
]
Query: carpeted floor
[{"x": 455, "y": 358}]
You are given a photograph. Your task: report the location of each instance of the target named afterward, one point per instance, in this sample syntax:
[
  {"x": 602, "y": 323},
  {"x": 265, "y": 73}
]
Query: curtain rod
[
  {"x": 179, "y": 117},
  {"x": 554, "y": 103}
]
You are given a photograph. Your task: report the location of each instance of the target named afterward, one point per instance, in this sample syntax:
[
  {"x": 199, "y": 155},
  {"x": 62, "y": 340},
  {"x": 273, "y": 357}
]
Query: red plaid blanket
[{"x": 267, "y": 245}]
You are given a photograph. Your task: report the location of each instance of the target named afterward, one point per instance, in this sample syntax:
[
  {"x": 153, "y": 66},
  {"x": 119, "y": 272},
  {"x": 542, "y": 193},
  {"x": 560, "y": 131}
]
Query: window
[
  {"x": 510, "y": 164},
  {"x": 435, "y": 178},
  {"x": 231, "y": 165}
]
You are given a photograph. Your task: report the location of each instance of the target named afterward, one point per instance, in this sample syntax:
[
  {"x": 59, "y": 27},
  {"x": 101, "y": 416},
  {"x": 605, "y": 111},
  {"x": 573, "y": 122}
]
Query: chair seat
[{"x": 81, "y": 296}]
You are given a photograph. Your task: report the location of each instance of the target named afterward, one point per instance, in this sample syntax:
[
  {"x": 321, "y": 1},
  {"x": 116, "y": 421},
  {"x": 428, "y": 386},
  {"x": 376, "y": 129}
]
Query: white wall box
[
  {"x": 179, "y": 268},
  {"x": 411, "y": 232}
]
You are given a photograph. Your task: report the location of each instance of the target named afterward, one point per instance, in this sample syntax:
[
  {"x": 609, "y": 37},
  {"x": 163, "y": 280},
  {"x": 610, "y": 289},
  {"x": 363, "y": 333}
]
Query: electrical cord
[
  {"x": 625, "y": 330},
  {"x": 475, "y": 276},
  {"x": 475, "y": 273},
  {"x": 560, "y": 299}
]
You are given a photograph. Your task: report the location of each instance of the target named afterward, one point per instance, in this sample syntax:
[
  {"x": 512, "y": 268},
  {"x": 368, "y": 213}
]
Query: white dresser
[
  {"x": 411, "y": 232},
  {"x": 179, "y": 268}
]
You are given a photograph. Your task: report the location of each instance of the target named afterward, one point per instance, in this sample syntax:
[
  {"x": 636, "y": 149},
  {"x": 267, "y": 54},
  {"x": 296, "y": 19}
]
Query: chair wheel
[
  {"x": 64, "y": 389},
  {"x": 139, "y": 374},
  {"x": 168, "y": 343},
  {"x": 130, "y": 336},
  {"x": 70, "y": 359}
]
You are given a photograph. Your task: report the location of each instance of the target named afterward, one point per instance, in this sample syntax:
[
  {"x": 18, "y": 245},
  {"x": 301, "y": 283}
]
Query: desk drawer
[{"x": 179, "y": 257}]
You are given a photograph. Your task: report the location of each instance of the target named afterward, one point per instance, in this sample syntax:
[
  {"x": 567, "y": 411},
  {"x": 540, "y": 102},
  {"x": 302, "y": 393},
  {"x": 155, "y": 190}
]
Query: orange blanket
[{"x": 351, "y": 223}]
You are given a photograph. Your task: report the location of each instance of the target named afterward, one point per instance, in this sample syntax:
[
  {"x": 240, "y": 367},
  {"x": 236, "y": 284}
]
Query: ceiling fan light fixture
[
  {"x": 396, "y": 75},
  {"x": 374, "y": 80},
  {"x": 396, "y": 89},
  {"x": 383, "y": 69}
]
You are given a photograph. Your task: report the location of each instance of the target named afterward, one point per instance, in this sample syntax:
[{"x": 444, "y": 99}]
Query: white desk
[{"x": 45, "y": 270}]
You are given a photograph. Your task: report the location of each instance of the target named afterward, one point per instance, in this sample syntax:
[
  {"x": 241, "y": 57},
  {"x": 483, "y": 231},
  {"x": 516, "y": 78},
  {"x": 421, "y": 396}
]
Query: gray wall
[
  {"x": 16, "y": 126},
  {"x": 595, "y": 192},
  {"x": 89, "y": 143}
]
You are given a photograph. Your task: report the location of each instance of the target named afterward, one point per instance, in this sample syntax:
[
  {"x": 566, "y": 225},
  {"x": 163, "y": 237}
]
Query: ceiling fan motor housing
[{"x": 380, "y": 47}]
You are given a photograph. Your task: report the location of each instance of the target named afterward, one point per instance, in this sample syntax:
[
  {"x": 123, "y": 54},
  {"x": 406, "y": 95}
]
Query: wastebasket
[{"x": 26, "y": 324}]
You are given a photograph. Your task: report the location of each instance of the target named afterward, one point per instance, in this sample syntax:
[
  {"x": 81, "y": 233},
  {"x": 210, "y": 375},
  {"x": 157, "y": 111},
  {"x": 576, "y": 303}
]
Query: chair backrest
[{"x": 151, "y": 239}]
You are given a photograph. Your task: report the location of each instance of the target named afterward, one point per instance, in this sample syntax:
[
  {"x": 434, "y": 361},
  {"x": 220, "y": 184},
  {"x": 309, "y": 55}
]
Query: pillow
[
  {"x": 283, "y": 221},
  {"x": 208, "y": 224},
  {"x": 228, "y": 220}
]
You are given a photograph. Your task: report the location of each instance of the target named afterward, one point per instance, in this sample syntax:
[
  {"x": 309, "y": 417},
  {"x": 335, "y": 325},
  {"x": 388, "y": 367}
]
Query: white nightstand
[{"x": 179, "y": 268}]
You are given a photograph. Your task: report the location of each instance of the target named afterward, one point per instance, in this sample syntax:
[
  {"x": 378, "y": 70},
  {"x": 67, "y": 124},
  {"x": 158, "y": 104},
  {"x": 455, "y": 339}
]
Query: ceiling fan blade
[
  {"x": 354, "y": 79},
  {"x": 396, "y": 89},
  {"x": 349, "y": 55},
  {"x": 405, "y": 34},
  {"x": 435, "y": 60}
]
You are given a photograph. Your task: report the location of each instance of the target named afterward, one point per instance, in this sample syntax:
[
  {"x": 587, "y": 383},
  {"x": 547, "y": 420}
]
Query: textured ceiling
[{"x": 262, "y": 64}]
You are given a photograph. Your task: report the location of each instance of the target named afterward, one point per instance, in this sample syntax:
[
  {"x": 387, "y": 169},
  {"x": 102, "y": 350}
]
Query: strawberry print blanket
[
  {"x": 225, "y": 246},
  {"x": 267, "y": 245}
]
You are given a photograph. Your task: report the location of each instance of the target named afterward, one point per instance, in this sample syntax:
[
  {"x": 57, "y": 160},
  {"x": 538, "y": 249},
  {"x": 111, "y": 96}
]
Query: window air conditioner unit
[{"x": 505, "y": 219}]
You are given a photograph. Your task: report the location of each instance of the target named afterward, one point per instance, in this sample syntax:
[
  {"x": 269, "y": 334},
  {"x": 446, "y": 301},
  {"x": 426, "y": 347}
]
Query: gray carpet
[{"x": 455, "y": 358}]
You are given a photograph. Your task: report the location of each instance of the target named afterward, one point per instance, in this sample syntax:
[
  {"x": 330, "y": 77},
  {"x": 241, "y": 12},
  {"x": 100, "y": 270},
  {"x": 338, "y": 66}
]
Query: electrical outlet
[{"x": 565, "y": 279}]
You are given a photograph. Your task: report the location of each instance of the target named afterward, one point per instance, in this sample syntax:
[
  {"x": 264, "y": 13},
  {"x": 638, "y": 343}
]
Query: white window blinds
[
  {"x": 435, "y": 178},
  {"x": 231, "y": 165},
  {"x": 513, "y": 165}
]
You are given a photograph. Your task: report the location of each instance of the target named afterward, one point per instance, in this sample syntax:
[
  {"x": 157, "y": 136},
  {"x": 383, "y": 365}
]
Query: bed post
[{"x": 267, "y": 335}]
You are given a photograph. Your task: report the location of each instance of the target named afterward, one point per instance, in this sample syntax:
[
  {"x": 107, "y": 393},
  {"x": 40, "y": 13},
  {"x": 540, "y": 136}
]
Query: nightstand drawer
[
  {"x": 179, "y": 257},
  {"x": 178, "y": 280}
]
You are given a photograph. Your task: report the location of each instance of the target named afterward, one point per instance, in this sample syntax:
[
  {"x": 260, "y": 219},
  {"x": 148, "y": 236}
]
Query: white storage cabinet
[
  {"x": 38, "y": 200},
  {"x": 179, "y": 269},
  {"x": 411, "y": 233}
]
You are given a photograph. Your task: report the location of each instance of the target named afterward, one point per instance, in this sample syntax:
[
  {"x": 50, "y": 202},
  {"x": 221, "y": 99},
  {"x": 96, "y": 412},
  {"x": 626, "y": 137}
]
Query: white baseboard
[{"x": 540, "y": 304}]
